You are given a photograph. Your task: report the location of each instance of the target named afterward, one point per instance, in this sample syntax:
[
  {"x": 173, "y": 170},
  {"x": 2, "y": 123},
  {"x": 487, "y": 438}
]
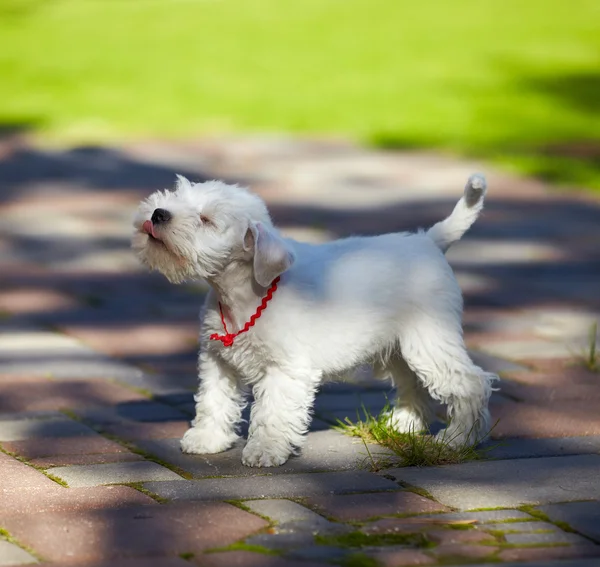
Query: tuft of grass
[
  {"x": 592, "y": 358},
  {"x": 406, "y": 449},
  {"x": 187, "y": 555}
]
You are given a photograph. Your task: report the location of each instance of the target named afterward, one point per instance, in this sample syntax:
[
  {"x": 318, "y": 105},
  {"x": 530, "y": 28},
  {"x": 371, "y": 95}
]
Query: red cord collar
[{"x": 228, "y": 338}]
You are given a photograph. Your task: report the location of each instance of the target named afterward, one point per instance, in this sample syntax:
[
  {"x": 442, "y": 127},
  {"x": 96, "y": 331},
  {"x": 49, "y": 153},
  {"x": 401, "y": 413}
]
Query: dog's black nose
[{"x": 160, "y": 215}]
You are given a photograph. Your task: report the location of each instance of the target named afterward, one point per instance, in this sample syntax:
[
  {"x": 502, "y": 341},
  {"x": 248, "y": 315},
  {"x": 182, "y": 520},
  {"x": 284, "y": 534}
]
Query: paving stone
[
  {"x": 68, "y": 367},
  {"x": 286, "y": 512},
  {"x": 520, "y": 350},
  {"x": 26, "y": 415},
  {"x": 494, "y": 364},
  {"x": 133, "y": 431},
  {"x": 55, "y": 498},
  {"x": 542, "y": 555},
  {"x": 279, "y": 486},
  {"x": 18, "y": 395},
  {"x": 142, "y": 411},
  {"x": 398, "y": 556},
  {"x": 94, "y": 459},
  {"x": 11, "y": 554},
  {"x": 359, "y": 507},
  {"x": 521, "y": 527},
  {"x": 482, "y": 517},
  {"x": 464, "y": 551},
  {"x": 353, "y": 401},
  {"x": 19, "y": 430},
  {"x": 33, "y": 300},
  {"x": 325, "y": 553},
  {"x": 137, "y": 530},
  {"x": 548, "y": 538},
  {"x": 113, "y": 473},
  {"x": 508, "y": 483},
  {"x": 18, "y": 477},
  {"x": 551, "y": 447},
  {"x": 283, "y": 541},
  {"x": 249, "y": 559},
  {"x": 448, "y": 537},
  {"x": 130, "y": 562},
  {"x": 581, "y": 516},
  {"x": 411, "y": 524},
  {"x": 322, "y": 451},
  {"x": 563, "y": 418},
  {"x": 54, "y": 446}
]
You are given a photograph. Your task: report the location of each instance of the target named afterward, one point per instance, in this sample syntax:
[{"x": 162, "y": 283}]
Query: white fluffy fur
[{"x": 389, "y": 300}]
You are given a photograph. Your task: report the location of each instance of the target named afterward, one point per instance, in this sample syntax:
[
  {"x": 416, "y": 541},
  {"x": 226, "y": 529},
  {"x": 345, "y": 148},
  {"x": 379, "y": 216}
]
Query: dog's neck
[{"x": 238, "y": 292}]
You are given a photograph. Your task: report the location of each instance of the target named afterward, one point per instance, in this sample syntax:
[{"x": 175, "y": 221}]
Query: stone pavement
[{"x": 97, "y": 372}]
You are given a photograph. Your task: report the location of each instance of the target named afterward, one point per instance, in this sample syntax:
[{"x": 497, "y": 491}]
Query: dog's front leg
[
  {"x": 279, "y": 418},
  {"x": 219, "y": 405}
]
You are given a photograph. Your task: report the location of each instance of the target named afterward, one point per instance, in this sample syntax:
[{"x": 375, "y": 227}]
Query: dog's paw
[
  {"x": 255, "y": 455},
  {"x": 202, "y": 442},
  {"x": 403, "y": 420}
]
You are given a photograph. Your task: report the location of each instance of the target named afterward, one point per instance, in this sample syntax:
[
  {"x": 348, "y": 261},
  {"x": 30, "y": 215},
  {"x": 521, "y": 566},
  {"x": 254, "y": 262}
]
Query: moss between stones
[
  {"x": 37, "y": 468},
  {"x": 140, "y": 488},
  {"x": 538, "y": 514},
  {"x": 187, "y": 555},
  {"x": 358, "y": 560},
  {"x": 360, "y": 539},
  {"x": 241, "y": 546},
  {"x": 10, "y": 539}
]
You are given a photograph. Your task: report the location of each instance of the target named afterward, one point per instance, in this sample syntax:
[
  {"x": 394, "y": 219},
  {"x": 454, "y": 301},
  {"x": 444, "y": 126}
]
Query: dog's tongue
[{"x": 148, "y": 228}]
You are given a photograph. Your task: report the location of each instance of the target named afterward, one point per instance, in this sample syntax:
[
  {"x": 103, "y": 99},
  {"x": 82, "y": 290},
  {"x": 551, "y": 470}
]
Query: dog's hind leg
[
  {"x": 412, "y": 410},
  {"x": 219, "y": 405},
  {"x": 433, "y": 348}
]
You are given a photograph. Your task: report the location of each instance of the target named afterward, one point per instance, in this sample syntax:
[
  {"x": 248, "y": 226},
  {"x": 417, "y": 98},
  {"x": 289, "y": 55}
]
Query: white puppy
[{"x": 319, "y": 311}]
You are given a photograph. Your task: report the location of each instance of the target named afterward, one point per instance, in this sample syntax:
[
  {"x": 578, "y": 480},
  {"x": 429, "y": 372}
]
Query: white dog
[{"x": 284, "y": 316}]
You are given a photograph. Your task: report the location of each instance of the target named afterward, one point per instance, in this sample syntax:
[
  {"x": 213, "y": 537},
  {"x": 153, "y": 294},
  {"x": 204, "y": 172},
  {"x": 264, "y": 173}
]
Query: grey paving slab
[
  {"x": 285, "y": 511},
  {"x": 283, "y": 541},
  {"x": 144, "y": 411},
  {"x": 69, "y": 367},
  {"x": 279, "y": 486},
  {"x": 323, "y": 451},
  {"x": 353, "y": 401},
  {"x": 483, "y": 516},
  {"x": 527, "y": 349},
  {"x": 551, "y": 447},
  {"x": 20, "y": 429},
  {"x": 508, "y": 483},
  {"x": 25, "y": 415},
  {"x": 113, "y": 473},
  {"x": 11, "y": 554},
  {"x": 521, "y": 527},
  {"x": 583, "y": 517},
  {"x": 547, "y": 538},
  {"x": 495, "y": 364}
]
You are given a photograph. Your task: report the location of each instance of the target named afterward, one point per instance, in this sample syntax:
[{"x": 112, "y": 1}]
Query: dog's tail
[{"x": 465, "y": 213}]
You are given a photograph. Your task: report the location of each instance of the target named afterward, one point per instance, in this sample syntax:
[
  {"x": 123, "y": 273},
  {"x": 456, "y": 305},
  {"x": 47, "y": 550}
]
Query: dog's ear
[{"x": 272, "y": 256}]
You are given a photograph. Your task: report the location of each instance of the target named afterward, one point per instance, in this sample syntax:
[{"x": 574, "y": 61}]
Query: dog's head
[{"x": 198, "y": 229}]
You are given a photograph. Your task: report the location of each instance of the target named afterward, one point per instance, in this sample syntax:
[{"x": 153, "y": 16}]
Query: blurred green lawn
[{"x": 514, "y": 81}]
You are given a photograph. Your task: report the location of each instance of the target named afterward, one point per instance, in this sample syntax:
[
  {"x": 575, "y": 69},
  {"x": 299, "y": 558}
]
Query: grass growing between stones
[
  {"x": 241, "y": 546},
  {"x": 36, "y": 467},
  {"x": 591, "y": 357},
  {"x": 10, "y": 539},
  {"x": 360, "y": 539},
  {"x": 405, "y": 449}
]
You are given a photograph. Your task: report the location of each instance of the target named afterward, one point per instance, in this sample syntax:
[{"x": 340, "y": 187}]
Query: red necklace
[{"x": 228, "y": 338}]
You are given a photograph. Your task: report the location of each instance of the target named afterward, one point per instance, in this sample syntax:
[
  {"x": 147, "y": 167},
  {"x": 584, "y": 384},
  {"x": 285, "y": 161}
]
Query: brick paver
[{"x": 98, "y": 369}]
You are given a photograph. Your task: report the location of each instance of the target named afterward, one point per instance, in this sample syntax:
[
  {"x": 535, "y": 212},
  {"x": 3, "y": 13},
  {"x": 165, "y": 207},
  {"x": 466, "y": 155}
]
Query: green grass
[
  {"x": 405, "y": 449},
  {"x": 591, "y": 359},
  {"x": 360, "y": 539},
  {"x": 511, "y": 81}
]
